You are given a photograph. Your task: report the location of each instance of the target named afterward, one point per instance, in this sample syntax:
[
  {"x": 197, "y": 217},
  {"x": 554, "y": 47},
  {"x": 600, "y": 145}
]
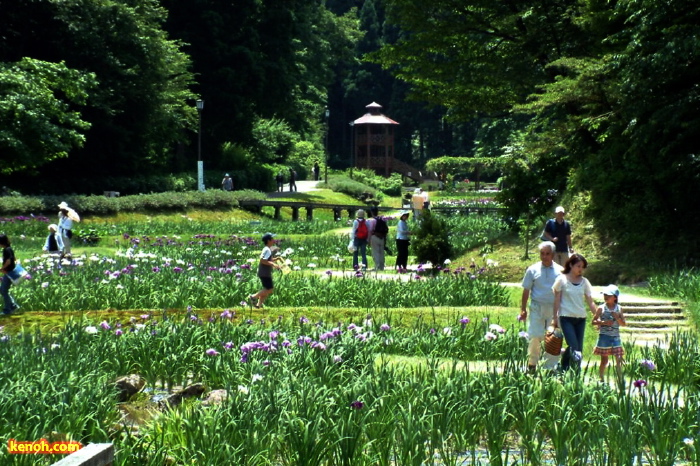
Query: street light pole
[
  {"x": 328, "y": 114},
  {"x": 352, "y": 147},
  {"x": 200, "y": 164}
]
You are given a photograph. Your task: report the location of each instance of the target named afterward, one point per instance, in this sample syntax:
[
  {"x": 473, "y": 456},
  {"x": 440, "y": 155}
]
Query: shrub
[
  {"x": 431, "y": 242},
  {"x": 390, "y": 186},
  {"x": 99, "y": 205},
  {"x": 354, "y": 188}
]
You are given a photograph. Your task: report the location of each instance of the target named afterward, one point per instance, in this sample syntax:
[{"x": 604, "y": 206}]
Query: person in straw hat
[{"x": 66, "y": 217}]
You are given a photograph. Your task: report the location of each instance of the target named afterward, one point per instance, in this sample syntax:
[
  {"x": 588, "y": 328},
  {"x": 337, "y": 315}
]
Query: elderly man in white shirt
[{"x": 537, "y": 287}]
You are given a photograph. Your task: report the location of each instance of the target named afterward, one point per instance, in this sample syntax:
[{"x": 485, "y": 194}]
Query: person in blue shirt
[{"x": 54, "y": 242}]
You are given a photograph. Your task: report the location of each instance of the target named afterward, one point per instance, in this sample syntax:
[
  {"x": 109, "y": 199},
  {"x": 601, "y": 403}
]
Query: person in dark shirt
[
  {"x": 558, "y": 231},
  {"x": 8, "y": 265}
]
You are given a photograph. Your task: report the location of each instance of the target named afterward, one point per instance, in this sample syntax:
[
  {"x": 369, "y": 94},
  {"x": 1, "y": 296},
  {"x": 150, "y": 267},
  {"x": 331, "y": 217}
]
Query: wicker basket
[{"x": 553, "y": 340}]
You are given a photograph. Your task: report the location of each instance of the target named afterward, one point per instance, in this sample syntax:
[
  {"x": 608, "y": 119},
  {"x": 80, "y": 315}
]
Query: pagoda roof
[{"x": 373, "y": 117}]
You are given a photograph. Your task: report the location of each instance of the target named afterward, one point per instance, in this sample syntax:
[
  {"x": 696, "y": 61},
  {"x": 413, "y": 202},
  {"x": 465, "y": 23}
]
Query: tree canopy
[
  {"x": 593, "y": 99},
  {"x": 37, "y": 122}
]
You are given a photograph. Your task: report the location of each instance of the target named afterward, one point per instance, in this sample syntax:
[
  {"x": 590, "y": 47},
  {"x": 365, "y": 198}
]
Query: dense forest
[{"x": 592, "y": 101}]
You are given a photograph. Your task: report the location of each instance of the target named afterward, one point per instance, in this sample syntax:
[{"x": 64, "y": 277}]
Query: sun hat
[
  {"x": 63, "y": 205},
  {"x": 611, "y": 290},
  {"x": 361, "y": 213},
  {"x": 559, "y": 209},
  {"x": 267, "y": 237},
  {"x": 53, "y": 227},
  {"x": 404, "y": 212}
]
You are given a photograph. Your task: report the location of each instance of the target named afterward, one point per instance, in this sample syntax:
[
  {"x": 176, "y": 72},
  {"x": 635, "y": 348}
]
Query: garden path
[
  {"x": 303, "y": 186},
  {"x": 650, "y": 321}
]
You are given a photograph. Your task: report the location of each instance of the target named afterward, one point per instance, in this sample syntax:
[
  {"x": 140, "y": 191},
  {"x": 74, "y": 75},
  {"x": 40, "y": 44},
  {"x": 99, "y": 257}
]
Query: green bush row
[
  {"x": 390, "y": 186},
  {"x": 100, "y": 205},
  {"x": 354, "y": 188}
]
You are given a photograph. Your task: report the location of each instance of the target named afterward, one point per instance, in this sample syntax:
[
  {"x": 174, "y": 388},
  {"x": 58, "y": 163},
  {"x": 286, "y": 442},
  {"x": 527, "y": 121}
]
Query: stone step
[
  {"x": 655, "y": 316},
  {"x": 666, "y": 324},
  {"x": 650, "y": 309},
  {"x": 643, "y": 303},
  {"x": 657, "y": 330},
  {"x": 651, "y": 342}
]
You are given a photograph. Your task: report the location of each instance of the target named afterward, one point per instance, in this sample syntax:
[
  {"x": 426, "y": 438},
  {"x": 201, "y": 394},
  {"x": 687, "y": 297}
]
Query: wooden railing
[{"x": 257, "y": 205}]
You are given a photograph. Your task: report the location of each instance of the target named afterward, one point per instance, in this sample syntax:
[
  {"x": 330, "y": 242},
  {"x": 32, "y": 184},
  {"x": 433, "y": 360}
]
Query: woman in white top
[
  {"x": 572, "y": 291},
  {"x": 402, "y": 242}
]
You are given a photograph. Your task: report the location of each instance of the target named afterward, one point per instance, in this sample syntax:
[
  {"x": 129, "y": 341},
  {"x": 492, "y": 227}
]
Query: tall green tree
[
  {"x": 37, "y": 120},
  {"x": 271, "y": 60},
  {"x": 139, "y": 109}
]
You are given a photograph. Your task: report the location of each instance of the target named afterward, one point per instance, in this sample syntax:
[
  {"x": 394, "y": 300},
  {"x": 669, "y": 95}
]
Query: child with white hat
[{"x": 608, "y": 318}]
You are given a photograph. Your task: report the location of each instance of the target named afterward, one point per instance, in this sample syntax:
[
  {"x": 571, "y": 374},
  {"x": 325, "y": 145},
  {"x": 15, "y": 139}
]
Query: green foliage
[
  {"x": 235, "y": 157},
  {"x": 38, "y": 121},
  {"x": 100, "y": 205},
  {"x": 431, "y": 240},
  {"x": 390, "y": 186},
  {"x": 274, "y": 139},
  {"x": 304, "y": 154},
  {"x": 353, "y": 188}
]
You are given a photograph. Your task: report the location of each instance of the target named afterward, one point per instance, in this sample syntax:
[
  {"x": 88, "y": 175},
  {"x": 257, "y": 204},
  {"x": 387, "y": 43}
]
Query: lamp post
[
  {"x": 352, "y": 147},
  {"x": 200, "y": 164},
  {"x": 328, "y": 114},
  {"x": 352, "y": 144}
]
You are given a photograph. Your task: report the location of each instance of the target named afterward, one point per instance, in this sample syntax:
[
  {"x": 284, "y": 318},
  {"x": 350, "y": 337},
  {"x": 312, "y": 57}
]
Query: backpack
[
  {"x": 361, "y": 232},
  {"x": 380, "y": 227}
]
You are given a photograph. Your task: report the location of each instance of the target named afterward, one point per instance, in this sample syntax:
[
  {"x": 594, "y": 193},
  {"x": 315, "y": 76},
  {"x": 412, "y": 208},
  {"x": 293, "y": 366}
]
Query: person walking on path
[
  {"x": 359, "y": 236},
  {"x": 608, "y": 318},
  {"x": 66, "y": 217},
  {"x": 558, "y": 231},
  {"x": 280, "y": 182},
  {"x": 402, "y": 242},
  {"x": 572, "y": 291},
  {"x": 54, "y": 242},
  {"x": 317, "y": 170},
  {"x": 418, "y": 201},
  {"x": 378, "y": 229},
  {"x": 426, "y": 199},
  {"x": 227, "y": 183},
  {"x": 537, "y": 288},
  {"x": 292, "y": 180},
  {"x": 8, "y": 265},
  {"x": 265, "y": 267}
]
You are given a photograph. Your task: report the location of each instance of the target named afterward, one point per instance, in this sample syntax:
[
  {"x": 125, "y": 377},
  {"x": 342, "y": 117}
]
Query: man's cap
[
  {"x": 267, "y": 237},
  {"x": 611, "y": 290},
  {"x": 559, "y": 209},
  {"x": 226, "y": 174}
]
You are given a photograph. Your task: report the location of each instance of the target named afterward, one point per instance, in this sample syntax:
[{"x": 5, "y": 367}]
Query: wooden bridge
[{"x": 257, "y": 205}]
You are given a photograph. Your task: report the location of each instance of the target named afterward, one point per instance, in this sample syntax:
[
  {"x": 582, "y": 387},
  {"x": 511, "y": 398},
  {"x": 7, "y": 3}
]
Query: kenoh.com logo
[{"x": 42, "y": 446}]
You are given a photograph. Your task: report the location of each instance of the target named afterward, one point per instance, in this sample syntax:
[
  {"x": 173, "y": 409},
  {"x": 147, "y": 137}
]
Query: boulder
[
  {"x": 194, "y": 390},
  {"x": 128, "y": 386},
  {"x": 215, "y": 397}
]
